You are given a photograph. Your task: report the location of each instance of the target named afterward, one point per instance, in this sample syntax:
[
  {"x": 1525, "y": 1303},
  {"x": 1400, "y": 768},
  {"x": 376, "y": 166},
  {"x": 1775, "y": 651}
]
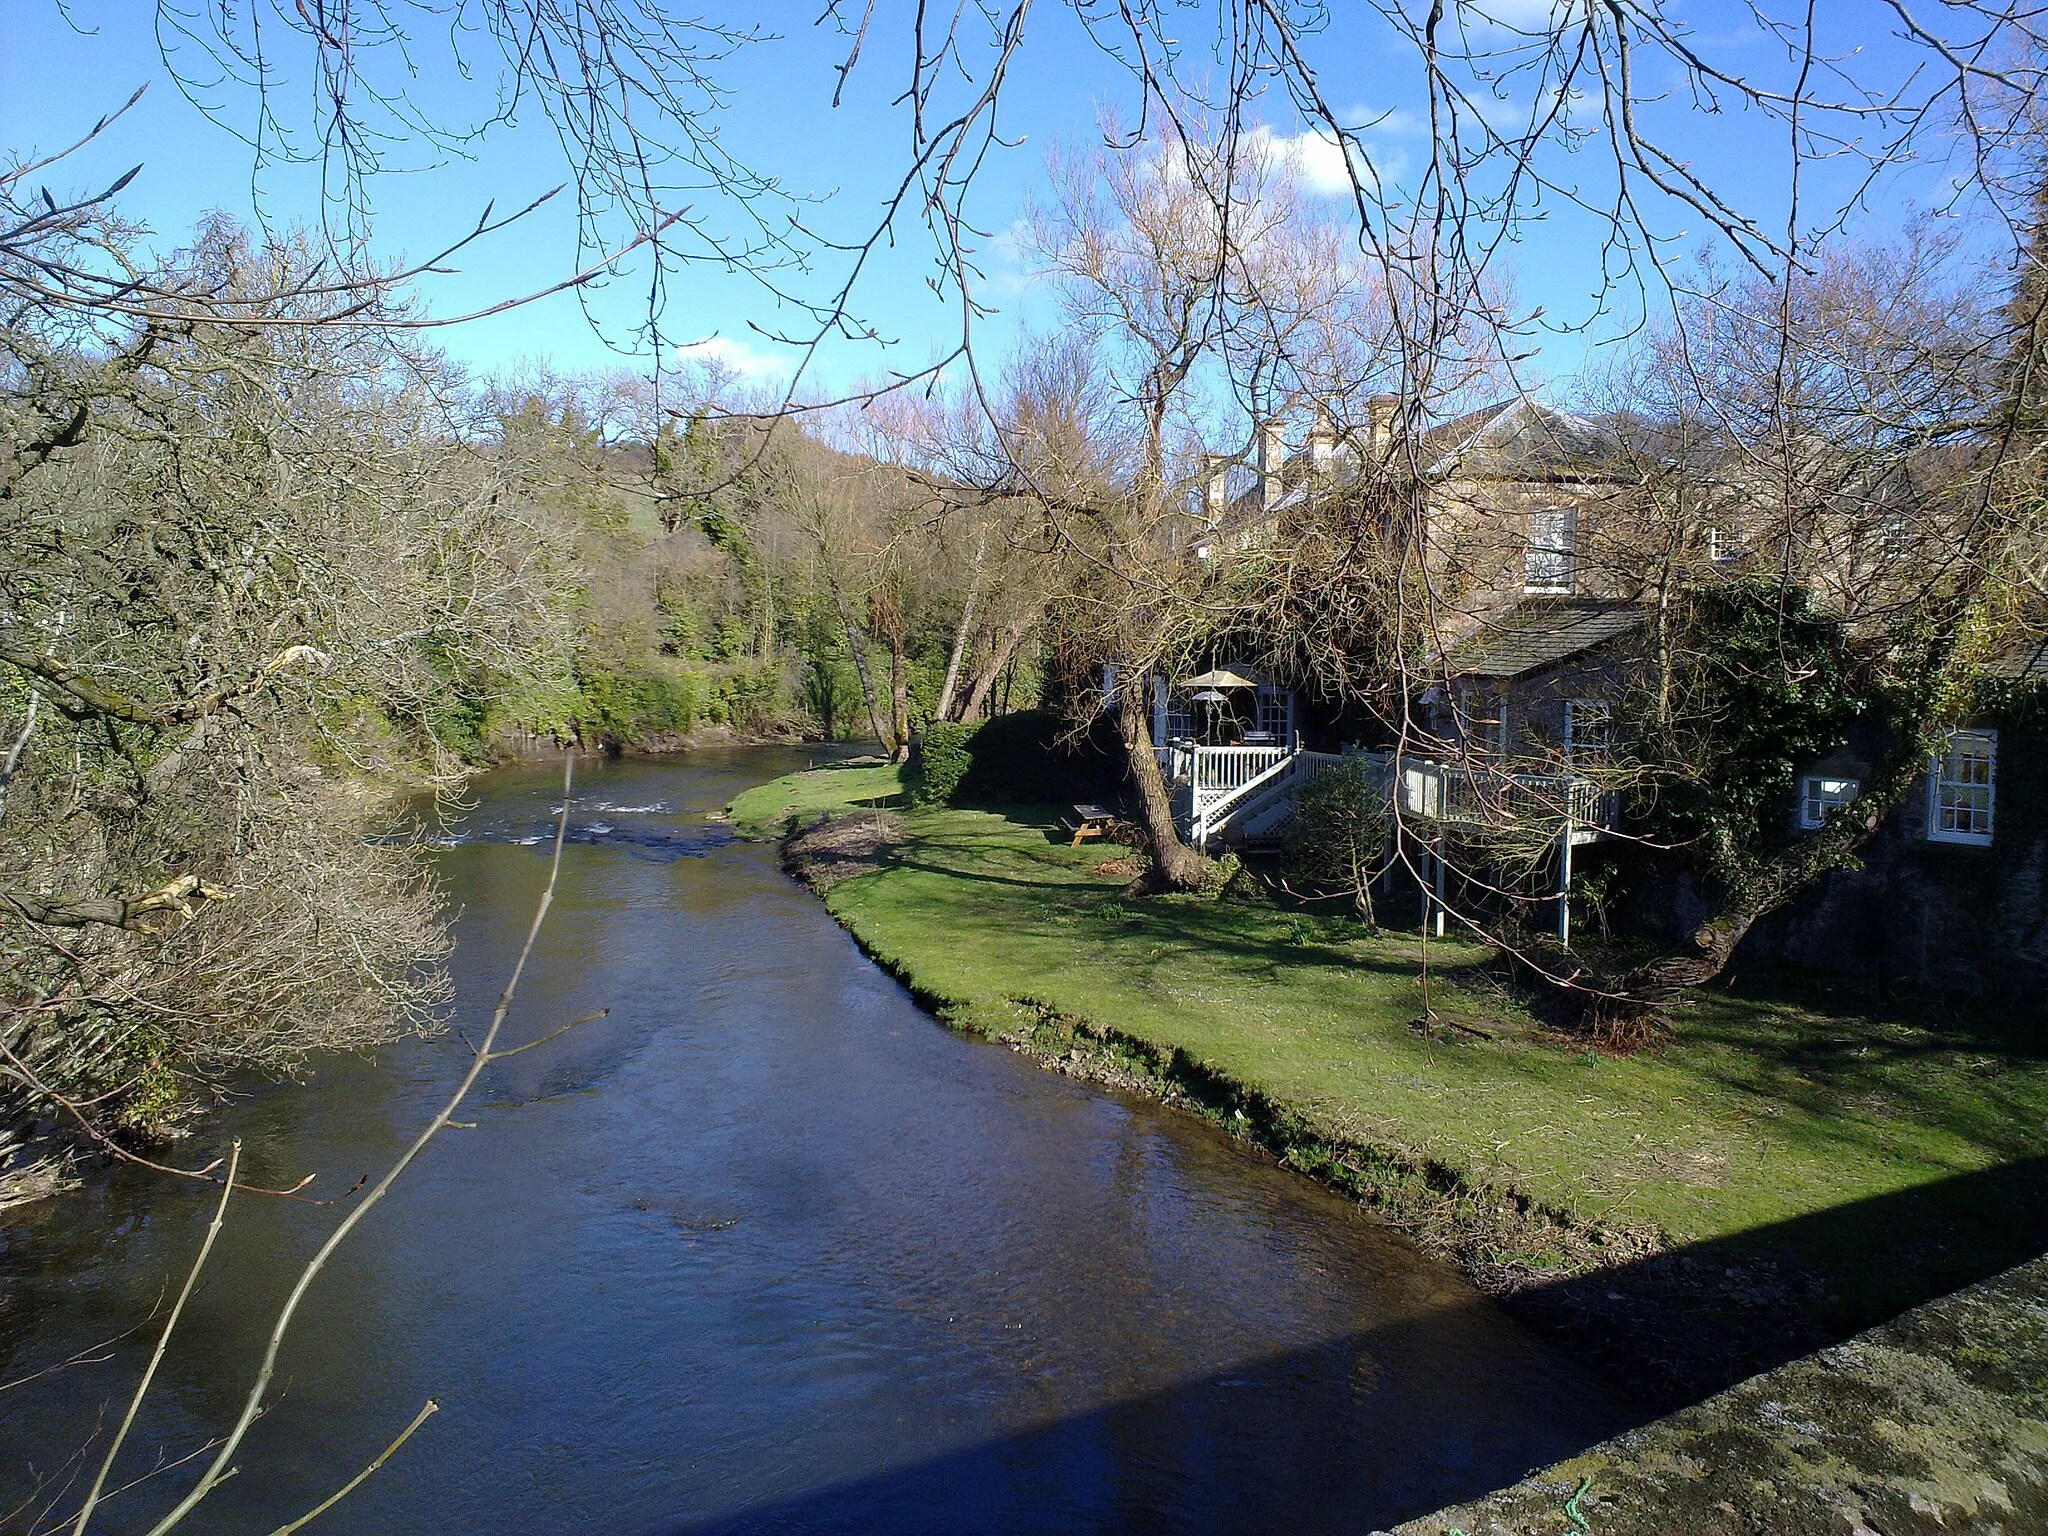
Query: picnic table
[{"x": 1094, "y": 821}]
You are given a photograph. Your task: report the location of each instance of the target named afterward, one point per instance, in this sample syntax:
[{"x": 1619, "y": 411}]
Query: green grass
[
  {"x": 767, "y": 809},
  {"x": 1770, "y": 1110}
]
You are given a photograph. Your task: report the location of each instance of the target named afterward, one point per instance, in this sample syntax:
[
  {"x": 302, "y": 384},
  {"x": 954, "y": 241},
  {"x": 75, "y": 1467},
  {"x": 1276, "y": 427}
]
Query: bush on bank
[{"x": 1030, "y": 757}]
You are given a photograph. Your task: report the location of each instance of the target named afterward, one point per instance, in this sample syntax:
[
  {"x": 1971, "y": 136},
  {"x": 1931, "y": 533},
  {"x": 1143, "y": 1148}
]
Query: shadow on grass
[
  {"x": 1376, "y": 1427},
  {"x": 1975, "y": 1072},
  {"x": 1186, "y": 928}
]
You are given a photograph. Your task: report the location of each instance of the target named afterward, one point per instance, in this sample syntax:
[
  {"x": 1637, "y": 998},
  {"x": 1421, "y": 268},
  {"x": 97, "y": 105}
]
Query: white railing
[
  {"x": 1219, "y": 783},
  {"x": 1223, "y": 771},
  {"x": 1214, "y": 808},
  {"x": 1215, "y": 785},
  {"x": 1491, "y": 797},
  {"x": 1313, "y": 765}
]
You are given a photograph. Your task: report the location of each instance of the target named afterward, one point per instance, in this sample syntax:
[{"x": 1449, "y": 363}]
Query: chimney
[
  {"x": 1272, "y": 458},
  {"x": 1215, "y": 486},
  {"x": 1384, "y": 411},
  {"x": 1322, "y": 445}
]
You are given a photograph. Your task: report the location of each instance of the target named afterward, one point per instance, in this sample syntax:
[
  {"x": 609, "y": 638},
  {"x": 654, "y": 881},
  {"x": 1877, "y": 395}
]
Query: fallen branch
[
  {"x": 97, "y": 700},
  {"x": 182, "y": 897}
]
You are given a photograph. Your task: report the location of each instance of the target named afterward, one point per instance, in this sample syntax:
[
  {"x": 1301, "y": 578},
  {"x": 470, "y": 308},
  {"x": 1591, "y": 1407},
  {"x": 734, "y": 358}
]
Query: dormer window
[{"x": 1552, "y": 557}]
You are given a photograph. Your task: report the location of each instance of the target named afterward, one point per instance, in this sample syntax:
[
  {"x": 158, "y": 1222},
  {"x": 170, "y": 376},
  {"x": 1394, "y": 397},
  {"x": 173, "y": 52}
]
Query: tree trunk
[
  {"x": 1175, "y": 866},
  {"x": 964, "y": 632},
  {"x": 899, "y": 699},
  {"x": 856, "y": 642},
  {"x": 1005, "y": 653},
  {"x": 1623, "y": 1008}
]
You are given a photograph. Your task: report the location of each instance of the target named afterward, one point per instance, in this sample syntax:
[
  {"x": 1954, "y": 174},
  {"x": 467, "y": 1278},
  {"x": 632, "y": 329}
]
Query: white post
[
  {"x": 1439, "y": 857},
  {"x": 1564, "y": 888},
  {"x": 1422, "y": 884}
]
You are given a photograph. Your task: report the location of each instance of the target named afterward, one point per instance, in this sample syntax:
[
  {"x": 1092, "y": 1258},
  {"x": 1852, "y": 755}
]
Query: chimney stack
[
  {"x": 1322, "y": 445},
  {"x": 1215, "y": 486},
  {"x": 1385, "y": 411},
  {"x": 1272, "y": 458}
]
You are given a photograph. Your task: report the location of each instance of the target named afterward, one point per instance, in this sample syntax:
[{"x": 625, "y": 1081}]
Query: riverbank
[
  {"x": 1795, "y": 1166},
  {"x": 869, "y": 1276}
]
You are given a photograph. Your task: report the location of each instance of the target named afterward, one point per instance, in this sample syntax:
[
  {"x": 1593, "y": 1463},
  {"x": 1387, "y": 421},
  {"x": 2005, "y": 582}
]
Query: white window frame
[
  {"x": 1588, "y": 732},
  {"x": 1272, "y": 712},
  {"x": 1553, "y": 564},
  {"x": 1951, "y": 776},
  {"x": 1723, "y": 544},
  {"x": 1178, "y": 718},
  {"x": 1819, "y": 794}
]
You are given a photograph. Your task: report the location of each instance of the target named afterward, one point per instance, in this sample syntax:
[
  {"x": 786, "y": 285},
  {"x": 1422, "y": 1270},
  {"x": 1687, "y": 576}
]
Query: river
[{"x": 765, "y": 1250}]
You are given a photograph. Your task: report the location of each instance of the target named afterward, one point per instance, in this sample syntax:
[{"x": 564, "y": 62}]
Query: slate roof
[
  {"x": 1539, "y": 634},
  {"x": 2022, "y": 663},
  {"x": 1517, "y": 436},
  {"x": 1520, "y": 435}
]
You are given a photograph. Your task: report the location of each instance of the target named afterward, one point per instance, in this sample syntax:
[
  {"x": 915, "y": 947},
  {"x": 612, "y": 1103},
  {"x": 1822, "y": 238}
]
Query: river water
[{"x": 765, "y": 1250}]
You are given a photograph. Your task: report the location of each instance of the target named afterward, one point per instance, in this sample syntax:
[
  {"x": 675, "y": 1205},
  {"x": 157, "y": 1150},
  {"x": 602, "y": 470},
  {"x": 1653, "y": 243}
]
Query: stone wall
[
  {"x": 1947, "y": 916},
  {"x": 1935, "y": 1424}
]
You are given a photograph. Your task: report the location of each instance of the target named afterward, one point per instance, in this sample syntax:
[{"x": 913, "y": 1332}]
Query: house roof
[
  {"x": 1539, "y": 634},
  {"x": 2023, "y": 662},
  {"x": 1519, "y": 435}
]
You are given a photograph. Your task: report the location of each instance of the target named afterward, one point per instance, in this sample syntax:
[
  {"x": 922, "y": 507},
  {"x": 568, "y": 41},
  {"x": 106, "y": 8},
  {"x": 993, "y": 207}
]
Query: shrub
[
  {"x": 1024, "y": 757},
  {"x": 1339, "y": 829},
  {"x": 942, "y": 761},
  {"x": 1018, "y": 757}
]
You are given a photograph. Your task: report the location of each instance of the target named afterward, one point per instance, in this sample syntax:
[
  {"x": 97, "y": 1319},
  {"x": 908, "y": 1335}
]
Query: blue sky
[{"x": 55, "y": 78}]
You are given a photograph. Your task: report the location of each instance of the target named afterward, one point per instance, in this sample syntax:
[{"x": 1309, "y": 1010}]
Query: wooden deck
[{"x": 1216, "y": 788}]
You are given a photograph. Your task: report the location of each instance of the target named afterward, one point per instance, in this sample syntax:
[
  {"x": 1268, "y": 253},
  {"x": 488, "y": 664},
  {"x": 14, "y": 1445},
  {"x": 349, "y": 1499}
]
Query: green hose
[{"x": 1571, "y": 1508}]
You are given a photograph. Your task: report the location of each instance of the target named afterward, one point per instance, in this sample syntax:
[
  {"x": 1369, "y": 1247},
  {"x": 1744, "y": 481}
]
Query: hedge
[{"x": 1016, "y": 757}]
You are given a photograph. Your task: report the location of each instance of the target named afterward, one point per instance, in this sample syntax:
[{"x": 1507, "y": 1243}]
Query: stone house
[{"x": 1538, "y": 553}]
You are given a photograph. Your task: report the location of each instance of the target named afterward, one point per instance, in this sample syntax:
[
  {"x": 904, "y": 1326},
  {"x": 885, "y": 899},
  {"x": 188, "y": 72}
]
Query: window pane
[
  {"x": 1547, "y": 567},
  {"x": 1962, "y": 788},
  {"x": 1588, "y": 732},
  {"x": 1820, "y": 796}
]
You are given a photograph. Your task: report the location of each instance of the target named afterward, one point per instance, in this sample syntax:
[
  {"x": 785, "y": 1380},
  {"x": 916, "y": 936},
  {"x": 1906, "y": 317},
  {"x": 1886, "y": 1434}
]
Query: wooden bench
[{"x": 1095, "y": 821}]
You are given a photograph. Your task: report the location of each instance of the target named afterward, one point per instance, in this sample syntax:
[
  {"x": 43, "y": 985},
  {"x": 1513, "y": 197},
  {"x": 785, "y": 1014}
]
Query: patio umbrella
[{"x": 1223, "y": 677}]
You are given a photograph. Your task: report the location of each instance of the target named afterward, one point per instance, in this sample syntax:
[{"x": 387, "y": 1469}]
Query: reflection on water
[{"x": 765, "y": 1250}]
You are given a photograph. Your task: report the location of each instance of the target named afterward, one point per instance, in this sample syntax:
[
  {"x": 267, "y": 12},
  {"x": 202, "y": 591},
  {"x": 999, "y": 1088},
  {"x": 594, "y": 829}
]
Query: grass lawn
[
  {"x": 767, "y": 809},
  {"x": 1889, "y": 1151}
]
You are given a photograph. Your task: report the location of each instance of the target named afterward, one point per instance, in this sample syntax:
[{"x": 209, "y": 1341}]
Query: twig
[
  {"x": 203, "y": 1175},
  {"x": 252, "y": 1405},
  {"x": 220, "y": 1211},
  {"x": 350, "y": 1486},
  {"x": 553, "y": 1034}
]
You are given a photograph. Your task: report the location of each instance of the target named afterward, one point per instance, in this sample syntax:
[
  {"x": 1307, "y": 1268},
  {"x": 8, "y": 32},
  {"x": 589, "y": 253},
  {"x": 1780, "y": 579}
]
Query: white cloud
[
  {"x": 1321, "y": 161},
  {"x": 734, "y": 357},
  {"x": 1009, "y": 263}
]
